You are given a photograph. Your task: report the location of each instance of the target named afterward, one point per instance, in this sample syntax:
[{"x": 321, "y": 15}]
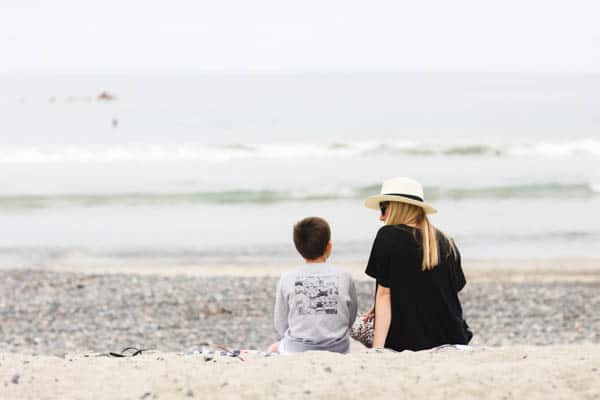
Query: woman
[{"x": 418, "y": 273}]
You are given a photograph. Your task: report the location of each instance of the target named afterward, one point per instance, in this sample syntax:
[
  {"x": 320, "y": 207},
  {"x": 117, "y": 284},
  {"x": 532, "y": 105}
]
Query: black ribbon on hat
[{"x": 408, "y": 196}]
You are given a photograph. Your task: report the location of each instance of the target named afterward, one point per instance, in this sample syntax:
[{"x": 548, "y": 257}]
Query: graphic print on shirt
[{"x": 316, "y": 294}]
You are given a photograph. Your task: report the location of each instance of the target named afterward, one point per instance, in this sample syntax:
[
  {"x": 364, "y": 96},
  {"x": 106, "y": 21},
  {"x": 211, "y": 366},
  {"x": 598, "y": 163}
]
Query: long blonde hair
[{"x": 408, "y": 214}]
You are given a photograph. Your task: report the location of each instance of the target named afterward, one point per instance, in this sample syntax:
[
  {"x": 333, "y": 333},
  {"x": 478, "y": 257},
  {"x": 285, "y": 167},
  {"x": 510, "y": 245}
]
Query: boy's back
[{"x": 315, "y": 307}]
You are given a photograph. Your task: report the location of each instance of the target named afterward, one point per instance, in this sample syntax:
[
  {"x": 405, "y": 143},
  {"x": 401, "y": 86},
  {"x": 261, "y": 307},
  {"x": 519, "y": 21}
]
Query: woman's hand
[{"x": 369, "y": 315}]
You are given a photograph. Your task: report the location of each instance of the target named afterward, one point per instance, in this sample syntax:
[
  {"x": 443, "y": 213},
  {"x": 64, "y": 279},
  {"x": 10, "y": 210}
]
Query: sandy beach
[
  {"x": 537, "y": 334},
  {"x": 557, "y": 372},
  {"x": 157, "y": 160}
]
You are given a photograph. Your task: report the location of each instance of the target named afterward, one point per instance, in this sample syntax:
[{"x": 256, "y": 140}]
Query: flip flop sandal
[
  {"x": 230, "y": 353},
  {"x": 128, "y": 352}
]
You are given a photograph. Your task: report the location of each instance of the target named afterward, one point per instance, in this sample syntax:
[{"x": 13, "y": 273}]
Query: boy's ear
[{"x": 328, "y": 247}]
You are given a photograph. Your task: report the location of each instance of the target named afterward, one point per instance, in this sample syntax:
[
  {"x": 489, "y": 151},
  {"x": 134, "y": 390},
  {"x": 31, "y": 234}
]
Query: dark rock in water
[{"x": 105, "y": 96}]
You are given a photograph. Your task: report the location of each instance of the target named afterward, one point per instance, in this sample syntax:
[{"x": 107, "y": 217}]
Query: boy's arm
[
  {"x": 353, "y": 303},
  {"x": 280, "y": 314}
]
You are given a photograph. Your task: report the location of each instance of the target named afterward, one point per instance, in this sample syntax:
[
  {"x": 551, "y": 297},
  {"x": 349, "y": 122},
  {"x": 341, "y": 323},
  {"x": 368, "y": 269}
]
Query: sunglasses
[{"x": 383, "y": 207}]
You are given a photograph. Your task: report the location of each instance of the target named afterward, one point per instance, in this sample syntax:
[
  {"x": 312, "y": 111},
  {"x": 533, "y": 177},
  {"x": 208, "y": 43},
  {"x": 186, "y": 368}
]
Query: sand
[
  {"x": 557, "y": 372},
  {"x": 536, "y": 323}
]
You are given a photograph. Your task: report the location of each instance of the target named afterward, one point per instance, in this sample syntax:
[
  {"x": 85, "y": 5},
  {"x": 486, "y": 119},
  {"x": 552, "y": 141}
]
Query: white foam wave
[
  {"x": 175, "y": 152},
  {"x": 574, "y": 148},
  {"x": 283, "y": 151}
]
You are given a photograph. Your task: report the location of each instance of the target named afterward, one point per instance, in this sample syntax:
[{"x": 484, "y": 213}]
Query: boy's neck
[{"x": 319, "y": 260}]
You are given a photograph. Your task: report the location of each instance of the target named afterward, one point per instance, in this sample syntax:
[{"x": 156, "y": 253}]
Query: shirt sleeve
[
  {"x": 457, "y": 274},
  {"x": 281, "y": 310},
  {"x": 353, "y": 306},
  {"x": 378, "y": 266}
]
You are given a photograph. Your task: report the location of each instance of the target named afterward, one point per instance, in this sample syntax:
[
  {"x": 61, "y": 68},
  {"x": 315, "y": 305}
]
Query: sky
[{"x": 307, "y": 35}]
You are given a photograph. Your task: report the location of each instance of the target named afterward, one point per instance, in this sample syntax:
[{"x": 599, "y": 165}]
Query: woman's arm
[{"x": 383, "y": 312}]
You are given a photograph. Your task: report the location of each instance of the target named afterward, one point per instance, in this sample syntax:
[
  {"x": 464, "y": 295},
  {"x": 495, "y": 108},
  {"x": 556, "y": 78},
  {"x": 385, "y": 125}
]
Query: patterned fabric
[
  {"x": 363, "y": 332},
  {"x": 315, "y": 307}
]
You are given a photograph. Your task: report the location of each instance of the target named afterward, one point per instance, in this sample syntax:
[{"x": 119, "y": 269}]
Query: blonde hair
[{"x": 408, "y": 214}]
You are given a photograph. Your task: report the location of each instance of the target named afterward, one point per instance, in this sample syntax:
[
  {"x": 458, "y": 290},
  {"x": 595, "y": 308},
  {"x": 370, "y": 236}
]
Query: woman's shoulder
[
  {"x": 399, "y": 229},
  {"x": 396, "y": 232}
]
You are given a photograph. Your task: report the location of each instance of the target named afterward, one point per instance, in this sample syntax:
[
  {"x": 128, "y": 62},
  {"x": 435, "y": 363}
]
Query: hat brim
[{"x": 373, "y": 202}]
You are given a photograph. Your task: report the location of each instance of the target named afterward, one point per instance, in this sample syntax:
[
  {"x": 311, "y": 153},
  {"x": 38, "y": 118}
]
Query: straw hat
[{"x": 403, "y": 190}]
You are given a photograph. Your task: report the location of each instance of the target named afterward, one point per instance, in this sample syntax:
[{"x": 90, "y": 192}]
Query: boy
[{"x": 315, "y": 305}]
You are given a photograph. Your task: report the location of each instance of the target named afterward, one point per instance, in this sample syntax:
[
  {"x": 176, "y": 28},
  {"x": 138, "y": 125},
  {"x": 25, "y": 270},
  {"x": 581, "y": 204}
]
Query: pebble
[
  {"x": 15, "y": 379},
  {"x": 178, "y": 313}
]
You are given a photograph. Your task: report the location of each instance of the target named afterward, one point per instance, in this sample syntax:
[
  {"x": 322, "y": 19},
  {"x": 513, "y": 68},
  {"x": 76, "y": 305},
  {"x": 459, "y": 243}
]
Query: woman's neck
[{"x": 410, "y": 224}]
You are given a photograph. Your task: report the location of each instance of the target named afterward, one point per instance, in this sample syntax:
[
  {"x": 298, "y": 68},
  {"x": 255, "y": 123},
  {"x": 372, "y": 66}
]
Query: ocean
[{"x": 214, "y": 169}]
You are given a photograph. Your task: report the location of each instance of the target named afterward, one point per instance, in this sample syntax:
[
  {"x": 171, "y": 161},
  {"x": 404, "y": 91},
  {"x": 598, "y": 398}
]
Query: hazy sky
[{"x": 121, "y": 35}]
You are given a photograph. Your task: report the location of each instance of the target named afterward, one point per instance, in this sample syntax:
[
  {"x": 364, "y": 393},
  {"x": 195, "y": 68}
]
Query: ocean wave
[
  {"x": 284, "y": 151},
  {"x": 583, "y": 147},
  {"x": 543, "y": 190},
  {"x": 550, "y": 190}
]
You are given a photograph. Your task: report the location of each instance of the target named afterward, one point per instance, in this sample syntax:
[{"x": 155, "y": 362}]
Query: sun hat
[{"x": 403, "y": 190}]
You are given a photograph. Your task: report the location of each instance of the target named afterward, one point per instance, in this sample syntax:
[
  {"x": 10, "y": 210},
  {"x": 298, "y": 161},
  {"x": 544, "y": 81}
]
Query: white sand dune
[{"x": 557, "y": 372}]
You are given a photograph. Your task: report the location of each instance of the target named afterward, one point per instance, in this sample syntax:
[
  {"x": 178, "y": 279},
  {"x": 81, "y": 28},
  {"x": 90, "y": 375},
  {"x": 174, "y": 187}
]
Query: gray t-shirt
[{"x": 315, "y": 307}]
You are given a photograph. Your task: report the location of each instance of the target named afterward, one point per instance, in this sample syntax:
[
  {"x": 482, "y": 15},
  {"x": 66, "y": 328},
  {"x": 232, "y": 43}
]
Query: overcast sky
[{"x": 281, "y": 35}]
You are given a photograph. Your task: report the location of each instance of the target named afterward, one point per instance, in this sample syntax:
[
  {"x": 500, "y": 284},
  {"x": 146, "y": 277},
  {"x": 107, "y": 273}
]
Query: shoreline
[{"x": 478, "y": 270}]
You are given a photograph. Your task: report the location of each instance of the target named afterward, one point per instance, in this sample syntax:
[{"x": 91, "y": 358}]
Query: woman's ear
[{"x": 383, "y": 217}]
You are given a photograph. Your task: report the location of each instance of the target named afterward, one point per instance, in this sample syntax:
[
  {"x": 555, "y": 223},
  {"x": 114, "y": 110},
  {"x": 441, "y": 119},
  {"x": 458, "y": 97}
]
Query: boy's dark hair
[{"x": 311, "y": 236}]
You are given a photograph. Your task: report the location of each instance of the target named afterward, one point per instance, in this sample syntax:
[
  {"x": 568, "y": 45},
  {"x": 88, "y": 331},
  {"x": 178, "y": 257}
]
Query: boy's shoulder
[{"x": 315, "y": 270}]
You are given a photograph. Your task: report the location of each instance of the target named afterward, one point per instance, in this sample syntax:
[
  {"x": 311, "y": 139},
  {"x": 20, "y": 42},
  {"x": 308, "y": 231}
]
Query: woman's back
[{"x": 426, "y": 311}]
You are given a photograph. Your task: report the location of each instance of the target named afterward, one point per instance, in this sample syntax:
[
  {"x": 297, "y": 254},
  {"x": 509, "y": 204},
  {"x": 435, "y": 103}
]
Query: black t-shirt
[{"x": 426, "y": 311}]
